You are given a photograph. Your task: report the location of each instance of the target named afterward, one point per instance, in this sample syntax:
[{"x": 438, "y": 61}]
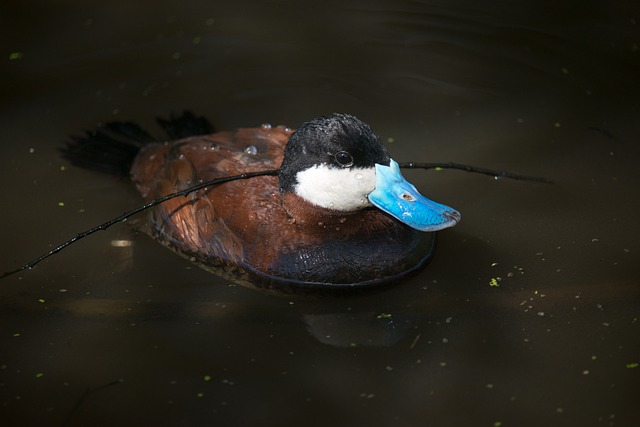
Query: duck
[{"x": 338, "y": 214}]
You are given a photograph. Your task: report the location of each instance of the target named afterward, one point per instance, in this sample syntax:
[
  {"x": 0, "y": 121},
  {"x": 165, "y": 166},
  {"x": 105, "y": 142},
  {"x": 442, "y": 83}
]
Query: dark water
[{"x": 106, "y": 335}]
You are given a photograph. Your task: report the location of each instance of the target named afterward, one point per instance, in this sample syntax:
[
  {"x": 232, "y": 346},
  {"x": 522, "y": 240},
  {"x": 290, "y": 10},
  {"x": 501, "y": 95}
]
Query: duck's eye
[{"x": 344, "y": 159}]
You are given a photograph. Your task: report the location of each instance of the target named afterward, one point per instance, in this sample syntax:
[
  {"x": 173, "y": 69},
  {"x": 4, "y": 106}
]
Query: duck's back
[{"x": 219, "y": 226}]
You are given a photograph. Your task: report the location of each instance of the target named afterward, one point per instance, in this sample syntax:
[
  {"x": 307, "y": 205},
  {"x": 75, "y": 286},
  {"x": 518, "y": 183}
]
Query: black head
[{"x": 339, "y": 141}]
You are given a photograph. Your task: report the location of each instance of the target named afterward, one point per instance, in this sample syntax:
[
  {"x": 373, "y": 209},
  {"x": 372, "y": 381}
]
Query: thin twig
[
  {"x": 84, "y": 397},
  {"x": 475, "y": 169},
  {"x": 130, "y": 213},
  {"x": 271, "y": 172}
]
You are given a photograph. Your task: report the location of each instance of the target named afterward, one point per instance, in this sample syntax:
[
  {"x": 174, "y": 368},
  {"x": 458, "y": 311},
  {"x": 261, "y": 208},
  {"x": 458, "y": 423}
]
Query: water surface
[{"x": 108, "y": 335}]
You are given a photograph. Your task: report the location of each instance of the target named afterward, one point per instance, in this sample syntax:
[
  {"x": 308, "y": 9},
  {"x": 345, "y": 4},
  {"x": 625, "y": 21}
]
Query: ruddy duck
[{"x": 338, "y": 214}]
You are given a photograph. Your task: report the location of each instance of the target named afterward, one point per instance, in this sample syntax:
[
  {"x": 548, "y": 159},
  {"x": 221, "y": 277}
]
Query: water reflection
[{"x": 357, "y": 329}]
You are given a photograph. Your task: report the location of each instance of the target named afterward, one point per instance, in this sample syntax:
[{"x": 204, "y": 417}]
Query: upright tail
[{"x": 112, "y": 147}]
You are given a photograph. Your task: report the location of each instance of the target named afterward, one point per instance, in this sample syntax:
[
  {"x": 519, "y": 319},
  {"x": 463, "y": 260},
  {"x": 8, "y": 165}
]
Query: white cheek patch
[{"x": 338, "y": 189}]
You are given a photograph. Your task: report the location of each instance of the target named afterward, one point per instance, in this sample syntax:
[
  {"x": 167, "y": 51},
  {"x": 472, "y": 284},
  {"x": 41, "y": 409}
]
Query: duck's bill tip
[{"x": 400, "y": 199}]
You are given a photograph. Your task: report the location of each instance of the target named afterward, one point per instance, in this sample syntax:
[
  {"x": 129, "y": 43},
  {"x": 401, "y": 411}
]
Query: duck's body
[{"x": 287, "y": 231}]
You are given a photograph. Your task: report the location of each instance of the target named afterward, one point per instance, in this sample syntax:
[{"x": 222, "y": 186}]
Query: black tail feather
[
  {"x": 185, "y": 125},
  {"x": 112, "y": 147},
  {"x": 109, "y": 149}
]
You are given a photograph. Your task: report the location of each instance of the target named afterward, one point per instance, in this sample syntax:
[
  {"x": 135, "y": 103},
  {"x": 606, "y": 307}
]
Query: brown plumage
[{"x": 249, "y": 232}]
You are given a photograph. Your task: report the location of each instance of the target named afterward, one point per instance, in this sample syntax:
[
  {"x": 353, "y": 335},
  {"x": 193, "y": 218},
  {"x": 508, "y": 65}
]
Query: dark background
[{"x": 105, "y": 335}]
